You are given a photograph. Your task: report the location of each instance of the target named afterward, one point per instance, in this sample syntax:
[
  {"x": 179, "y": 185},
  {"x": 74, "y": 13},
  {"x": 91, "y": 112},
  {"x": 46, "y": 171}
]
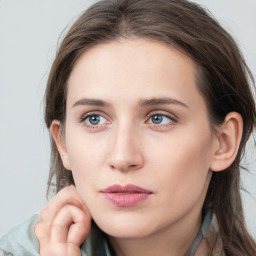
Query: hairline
[{"x": 198, "y": 72}]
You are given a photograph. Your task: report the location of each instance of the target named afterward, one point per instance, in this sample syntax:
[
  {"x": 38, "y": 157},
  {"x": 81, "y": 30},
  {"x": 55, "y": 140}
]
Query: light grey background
[{"x": 29, "y": 31}]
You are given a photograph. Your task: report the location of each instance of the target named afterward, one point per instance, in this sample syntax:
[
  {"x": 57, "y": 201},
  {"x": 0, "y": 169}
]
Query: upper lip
[{"x": 125, "y": 189}]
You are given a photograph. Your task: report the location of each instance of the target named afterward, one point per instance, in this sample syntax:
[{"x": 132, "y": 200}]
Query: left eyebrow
[{"x": 161, "y": 101}]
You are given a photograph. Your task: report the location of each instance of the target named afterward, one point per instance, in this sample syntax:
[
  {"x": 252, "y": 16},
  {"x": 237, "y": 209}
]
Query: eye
[
  {"x": 160, "y": 119},
  {"x": 94, "y": 120}
]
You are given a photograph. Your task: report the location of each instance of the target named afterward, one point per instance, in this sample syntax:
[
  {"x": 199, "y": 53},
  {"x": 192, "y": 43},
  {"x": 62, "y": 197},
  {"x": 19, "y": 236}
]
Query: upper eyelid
[
  {"x": 172, "y": 120},
  {"x": 148, "y": 115},
  {"x": 162, "y": 112},
  {"x": 94, "y": 113}
]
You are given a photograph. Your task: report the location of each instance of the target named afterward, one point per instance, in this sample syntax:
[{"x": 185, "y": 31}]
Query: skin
[
  {"x": 173, "y": 158},
  {"x": 65, "y": 223}
]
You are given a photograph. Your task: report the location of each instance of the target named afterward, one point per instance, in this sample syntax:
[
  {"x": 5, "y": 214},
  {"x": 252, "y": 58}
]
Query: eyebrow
[
  {"x": 161, "y": 101},
  {"x": 142, "y": 103},
  {"x": 91, "y": 102}
]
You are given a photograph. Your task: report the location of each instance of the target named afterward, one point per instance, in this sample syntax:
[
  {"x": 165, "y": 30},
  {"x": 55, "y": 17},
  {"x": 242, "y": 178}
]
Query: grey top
[{"x": 22, "y": 241}]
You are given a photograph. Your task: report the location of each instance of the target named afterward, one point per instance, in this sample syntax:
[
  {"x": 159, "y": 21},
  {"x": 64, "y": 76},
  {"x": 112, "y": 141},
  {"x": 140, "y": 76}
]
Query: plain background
[{"x": 29, "y": 32}]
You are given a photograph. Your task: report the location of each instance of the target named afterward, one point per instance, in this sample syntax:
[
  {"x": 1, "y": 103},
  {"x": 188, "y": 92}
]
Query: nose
[{"x": 125, "y": 150}]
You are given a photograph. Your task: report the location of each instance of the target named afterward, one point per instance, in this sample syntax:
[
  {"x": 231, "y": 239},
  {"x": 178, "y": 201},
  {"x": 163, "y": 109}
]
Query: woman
[{"x": 150, "y": 108}]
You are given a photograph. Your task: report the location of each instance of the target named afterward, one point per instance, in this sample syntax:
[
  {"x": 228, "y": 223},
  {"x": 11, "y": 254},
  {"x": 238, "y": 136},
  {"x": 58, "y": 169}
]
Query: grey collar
[{"x": 97, "y": 243}]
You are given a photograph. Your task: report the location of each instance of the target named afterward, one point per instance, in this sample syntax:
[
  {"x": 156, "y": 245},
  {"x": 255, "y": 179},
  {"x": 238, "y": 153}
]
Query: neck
[{"x": 173, "y": 240}]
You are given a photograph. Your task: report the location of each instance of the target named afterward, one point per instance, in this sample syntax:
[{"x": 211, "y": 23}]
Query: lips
[{"x": 125, "y": 196}]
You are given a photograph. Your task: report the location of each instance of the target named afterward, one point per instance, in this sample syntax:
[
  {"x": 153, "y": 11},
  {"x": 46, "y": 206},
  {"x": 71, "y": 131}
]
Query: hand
[{"x": 65, "y": 224}]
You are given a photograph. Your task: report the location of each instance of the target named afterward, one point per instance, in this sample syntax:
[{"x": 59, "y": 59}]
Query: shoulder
[{"x": 21, "y": 240}]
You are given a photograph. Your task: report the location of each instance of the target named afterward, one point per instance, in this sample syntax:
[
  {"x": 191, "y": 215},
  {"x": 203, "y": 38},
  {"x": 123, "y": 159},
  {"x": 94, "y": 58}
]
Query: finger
[
  {"x": 42, "y": 230},
  {"x": 79, "y": 232},
  {"x": 68, "y": 195},
  {"x": 51, "y": 249},
  {"x": 68, "y": 215}
]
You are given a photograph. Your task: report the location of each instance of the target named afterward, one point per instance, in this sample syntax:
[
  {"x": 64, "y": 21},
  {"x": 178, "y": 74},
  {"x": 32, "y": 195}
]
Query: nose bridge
[{"x": 126, "y": 152}]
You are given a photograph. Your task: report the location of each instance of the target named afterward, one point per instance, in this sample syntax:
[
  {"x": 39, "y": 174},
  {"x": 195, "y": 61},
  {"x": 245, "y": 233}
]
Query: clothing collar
[{"x": 97, "y": 243}]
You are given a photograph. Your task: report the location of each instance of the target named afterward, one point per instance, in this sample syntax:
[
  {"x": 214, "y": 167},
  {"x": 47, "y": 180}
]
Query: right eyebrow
[{"x": 91, "y": 102}]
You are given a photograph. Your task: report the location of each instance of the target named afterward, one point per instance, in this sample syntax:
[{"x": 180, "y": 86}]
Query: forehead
[{"x": 133, "y": 69}]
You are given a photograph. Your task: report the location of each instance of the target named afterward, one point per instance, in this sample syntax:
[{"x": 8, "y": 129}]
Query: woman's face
[{"x": 137, "y": 137}]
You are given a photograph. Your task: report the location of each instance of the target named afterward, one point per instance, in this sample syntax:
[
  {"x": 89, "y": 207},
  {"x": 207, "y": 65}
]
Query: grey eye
[
  {"x": 160, "y": 119},
  {"x": 95, "y": 120}
]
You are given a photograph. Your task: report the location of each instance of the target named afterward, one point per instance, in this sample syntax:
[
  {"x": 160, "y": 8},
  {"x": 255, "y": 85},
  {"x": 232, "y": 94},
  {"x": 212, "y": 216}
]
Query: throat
[{"x": 164, "y": 243}]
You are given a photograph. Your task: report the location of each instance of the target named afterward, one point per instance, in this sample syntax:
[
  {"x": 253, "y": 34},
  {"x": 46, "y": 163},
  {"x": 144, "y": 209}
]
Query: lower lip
[{"x": 126, "y": 199}]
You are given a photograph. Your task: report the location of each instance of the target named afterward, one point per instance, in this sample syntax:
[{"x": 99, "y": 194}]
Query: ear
[
  {"x": 229, "y": 137},
  {"x": 58, "y": 137}
]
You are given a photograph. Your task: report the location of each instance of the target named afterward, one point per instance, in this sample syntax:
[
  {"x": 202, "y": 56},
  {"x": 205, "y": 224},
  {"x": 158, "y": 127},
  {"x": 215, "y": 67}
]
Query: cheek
[
  {"x": 181, "y": 164},
  {"x": 86, "y": 159}
]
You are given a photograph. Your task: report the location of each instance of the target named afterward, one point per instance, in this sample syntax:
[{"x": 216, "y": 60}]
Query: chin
[
  {"x": 130, "y": 227},
  {"x": 128, "y": 232}
]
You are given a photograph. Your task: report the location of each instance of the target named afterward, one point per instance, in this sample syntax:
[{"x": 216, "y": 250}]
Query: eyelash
[
  {"x": 88, "y": 115},
  {"x": 172, "y": 121}
]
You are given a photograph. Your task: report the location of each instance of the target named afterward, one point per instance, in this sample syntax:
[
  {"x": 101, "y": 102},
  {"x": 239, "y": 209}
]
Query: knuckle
[
  {"x": 67, "y": 193},
  {"x": 43, "y": 214},
  {"x": 69, "y": 189},
  {"x": 38, "y": 228},
  {"x": 37, "y": 225}
]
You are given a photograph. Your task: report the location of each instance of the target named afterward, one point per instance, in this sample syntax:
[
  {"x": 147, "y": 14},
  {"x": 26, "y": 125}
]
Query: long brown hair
[{"x": 223, "y": 79}]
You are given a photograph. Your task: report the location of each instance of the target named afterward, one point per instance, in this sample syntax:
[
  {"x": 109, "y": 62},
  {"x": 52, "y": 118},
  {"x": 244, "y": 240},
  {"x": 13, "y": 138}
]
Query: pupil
[
  {"x": 94, "y": 119},
  {"x": 157, "y": 119}
]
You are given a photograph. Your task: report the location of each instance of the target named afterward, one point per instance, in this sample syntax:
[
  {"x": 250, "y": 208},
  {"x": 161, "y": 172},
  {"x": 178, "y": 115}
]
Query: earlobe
[
  {"x": 60, "y": 143},
  {"x": 229, "y": 138}
]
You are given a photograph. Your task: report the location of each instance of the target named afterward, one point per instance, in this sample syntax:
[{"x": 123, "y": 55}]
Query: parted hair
[{"x": 222, "y": 76}]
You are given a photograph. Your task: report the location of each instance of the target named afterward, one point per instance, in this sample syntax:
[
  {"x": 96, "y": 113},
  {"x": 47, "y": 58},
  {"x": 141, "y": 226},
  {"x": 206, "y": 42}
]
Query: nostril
[{"x": 123, "y": 166}]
